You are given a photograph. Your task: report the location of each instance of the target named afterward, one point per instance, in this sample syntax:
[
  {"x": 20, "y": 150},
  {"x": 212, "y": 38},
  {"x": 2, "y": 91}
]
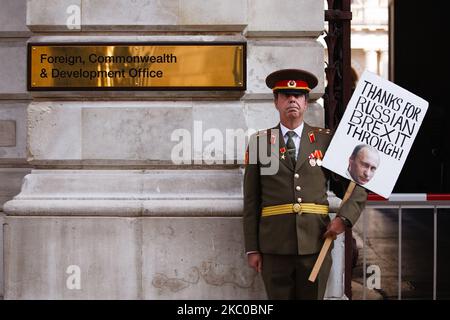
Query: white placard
[{"x": 375, "y": 134}]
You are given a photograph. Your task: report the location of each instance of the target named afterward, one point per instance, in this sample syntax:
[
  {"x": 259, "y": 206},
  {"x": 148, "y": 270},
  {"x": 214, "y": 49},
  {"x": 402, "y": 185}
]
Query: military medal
[
  {"x": 312, "y": 159},
  {"x": 318, "y": 156},
  {"x": 283, "y": 151},
  {"x": 311, "y": 136}
]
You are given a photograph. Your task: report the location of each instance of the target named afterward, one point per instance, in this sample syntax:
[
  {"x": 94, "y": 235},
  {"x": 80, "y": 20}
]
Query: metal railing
[{"x": 401, "y": 202}]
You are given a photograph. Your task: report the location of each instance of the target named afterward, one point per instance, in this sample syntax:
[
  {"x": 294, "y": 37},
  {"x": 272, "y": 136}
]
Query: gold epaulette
[
  {"x": 321, "y": 130},
  {"x": 317, "y": 130}
]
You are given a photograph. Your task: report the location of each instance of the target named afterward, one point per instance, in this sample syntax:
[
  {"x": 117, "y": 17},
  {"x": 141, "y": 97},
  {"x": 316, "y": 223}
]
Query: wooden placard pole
[{"x": 327, "y": 243}]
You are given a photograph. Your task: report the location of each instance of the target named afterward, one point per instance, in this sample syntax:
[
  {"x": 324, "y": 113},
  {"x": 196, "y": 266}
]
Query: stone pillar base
[{"x": 101, "y": 234}]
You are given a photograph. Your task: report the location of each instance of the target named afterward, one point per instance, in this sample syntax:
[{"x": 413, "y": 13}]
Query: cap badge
[{"x": 292, "y": 84}]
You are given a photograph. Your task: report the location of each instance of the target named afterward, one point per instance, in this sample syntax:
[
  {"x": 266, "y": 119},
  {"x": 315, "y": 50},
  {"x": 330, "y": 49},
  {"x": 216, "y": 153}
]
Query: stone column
[
  {"x": 384, "y": 64},
  {"x": 106, "y": 214},
  {"x": 14, "y": 99},
  {"x": 372, "y": 60}
]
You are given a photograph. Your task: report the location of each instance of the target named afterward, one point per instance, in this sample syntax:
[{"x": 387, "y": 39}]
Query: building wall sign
[{"x": 137, "y": 66}]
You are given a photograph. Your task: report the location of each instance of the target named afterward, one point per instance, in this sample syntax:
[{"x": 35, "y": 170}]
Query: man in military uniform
[{"x": 286, "y": 212}]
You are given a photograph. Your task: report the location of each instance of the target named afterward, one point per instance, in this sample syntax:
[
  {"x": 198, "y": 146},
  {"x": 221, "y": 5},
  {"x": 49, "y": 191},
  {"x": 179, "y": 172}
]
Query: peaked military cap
[{"x": 291, "y": 81}]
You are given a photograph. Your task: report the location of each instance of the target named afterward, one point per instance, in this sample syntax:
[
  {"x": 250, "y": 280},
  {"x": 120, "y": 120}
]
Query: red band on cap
[{"x": 291, "y": 84}]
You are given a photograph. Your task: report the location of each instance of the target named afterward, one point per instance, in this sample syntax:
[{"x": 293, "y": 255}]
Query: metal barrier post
[
  {"x": 364, "y": 255},
  {"x": 2, "y": 282},
  {"x": 434, "y": 251},
  {"x": 399, "y": 252},
  {"x": 348, "y": 263}
]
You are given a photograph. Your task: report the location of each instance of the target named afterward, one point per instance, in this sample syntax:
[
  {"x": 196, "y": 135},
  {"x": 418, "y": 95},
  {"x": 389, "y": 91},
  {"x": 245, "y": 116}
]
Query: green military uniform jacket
[{"x": 291, "y": 233}]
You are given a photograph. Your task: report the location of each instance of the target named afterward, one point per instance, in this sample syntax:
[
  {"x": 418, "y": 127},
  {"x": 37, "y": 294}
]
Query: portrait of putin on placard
[{"x": 363, "y": 163}]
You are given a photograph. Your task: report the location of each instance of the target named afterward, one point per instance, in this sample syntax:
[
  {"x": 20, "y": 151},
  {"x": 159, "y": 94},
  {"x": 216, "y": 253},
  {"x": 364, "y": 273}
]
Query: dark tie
[{"x": 291, "y": 146}]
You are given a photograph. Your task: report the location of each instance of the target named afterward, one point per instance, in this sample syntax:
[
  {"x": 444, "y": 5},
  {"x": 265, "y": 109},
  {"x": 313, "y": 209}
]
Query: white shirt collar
[{"x": 297, "y": 130}]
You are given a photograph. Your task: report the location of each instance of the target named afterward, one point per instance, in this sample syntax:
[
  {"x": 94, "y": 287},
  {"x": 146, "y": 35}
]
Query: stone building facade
[
  {"x": 102, "y": 212},
  {"x": 370, "y": 37}
]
